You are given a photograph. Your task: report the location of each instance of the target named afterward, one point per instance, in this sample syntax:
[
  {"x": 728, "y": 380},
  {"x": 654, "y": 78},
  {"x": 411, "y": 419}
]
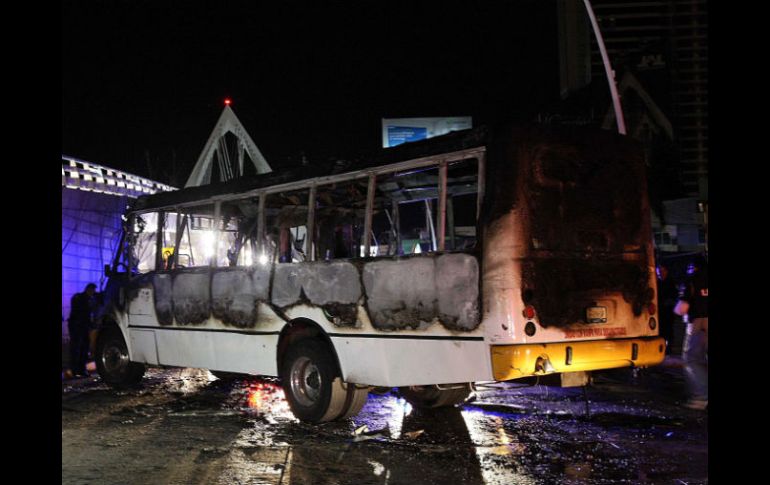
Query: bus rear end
[{"x": 568, "y": 269}]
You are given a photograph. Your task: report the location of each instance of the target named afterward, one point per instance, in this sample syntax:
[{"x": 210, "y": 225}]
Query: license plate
[{"x": 596, "y": 314}]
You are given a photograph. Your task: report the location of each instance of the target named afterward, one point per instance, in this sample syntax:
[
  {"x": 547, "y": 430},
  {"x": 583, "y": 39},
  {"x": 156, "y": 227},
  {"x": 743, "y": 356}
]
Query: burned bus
[{"x": 489, "y": 254}]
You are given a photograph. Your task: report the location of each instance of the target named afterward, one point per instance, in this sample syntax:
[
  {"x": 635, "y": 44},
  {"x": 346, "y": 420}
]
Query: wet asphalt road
[{"x": 184, "y": 426}]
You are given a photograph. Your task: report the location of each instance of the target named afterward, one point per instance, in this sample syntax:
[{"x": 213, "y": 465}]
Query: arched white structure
[{"x": 228, "y": 122}]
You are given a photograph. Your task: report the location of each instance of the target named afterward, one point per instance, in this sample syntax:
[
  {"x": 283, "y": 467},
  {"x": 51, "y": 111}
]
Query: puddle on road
[{"x": 448, "y": 445}]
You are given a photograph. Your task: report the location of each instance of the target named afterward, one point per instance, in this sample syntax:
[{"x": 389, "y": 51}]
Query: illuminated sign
[{"x": 396, "y": 131}]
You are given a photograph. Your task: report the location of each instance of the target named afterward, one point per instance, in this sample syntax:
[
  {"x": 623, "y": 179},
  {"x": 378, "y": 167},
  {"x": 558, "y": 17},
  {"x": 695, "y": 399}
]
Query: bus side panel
[
  {"x": 231, "y": 352},
  {"x": 141, "y": 310},
  {"x": 416, "y": 291},
  {"x": 143, "y": 347},
  {"x": 391, "y": 362}
]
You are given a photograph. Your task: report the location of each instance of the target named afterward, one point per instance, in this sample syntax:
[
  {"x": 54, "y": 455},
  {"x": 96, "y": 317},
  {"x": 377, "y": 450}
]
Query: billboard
[{"x": 396, "y": 131}]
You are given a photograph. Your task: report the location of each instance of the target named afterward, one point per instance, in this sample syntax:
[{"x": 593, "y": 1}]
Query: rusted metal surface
[{"x": 442, "y": 175}]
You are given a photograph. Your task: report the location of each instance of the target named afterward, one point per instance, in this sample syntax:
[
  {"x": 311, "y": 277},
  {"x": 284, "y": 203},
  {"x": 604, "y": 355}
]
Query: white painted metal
[
  {"x": 141, "y": 310},
  {"x": 441, "y": 358},
  {"x": 217, "y": 219},
  {"x": 228, "y": 122},
  {"x": 387, "y": 362},
  {"x": 404, "y": 362},
  {"x": 143, "y": 346},
  {"x": 230, "y": 352},
  {"x": 81, "y": 175},
  {"x": 607, "y": 69}
]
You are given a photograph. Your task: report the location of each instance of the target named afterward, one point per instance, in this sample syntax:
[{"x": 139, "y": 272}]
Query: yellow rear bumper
[{"x": 514, "y": 361}]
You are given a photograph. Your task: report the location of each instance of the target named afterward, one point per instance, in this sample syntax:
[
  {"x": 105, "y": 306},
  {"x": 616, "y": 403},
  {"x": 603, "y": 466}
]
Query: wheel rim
[
  {"x": 114, "y": 358},
  {"x": 305, "y": 381}
]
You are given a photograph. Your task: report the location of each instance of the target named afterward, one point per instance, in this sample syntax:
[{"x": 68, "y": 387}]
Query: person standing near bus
[
  {"x": 696, "y": 343},
  {"x": 80, "y": 324},
  {"x": 667, "y": 296}
]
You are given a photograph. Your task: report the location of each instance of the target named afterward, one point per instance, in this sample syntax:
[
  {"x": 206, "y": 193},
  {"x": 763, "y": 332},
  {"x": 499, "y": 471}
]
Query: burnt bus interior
[
  {"x": 405, "y": 218},
  {"x": 393, "y": 244},
  {"x": 582, "y": 195}
]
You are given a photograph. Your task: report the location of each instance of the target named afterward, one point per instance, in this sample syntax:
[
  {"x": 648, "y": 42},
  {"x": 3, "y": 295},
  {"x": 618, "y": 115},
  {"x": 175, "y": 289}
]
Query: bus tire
[
  {"x": 355, "y": 401},
  {"x": 311, "y": 382},
  {"x": 430, "y": 397},
  {"x": 112, "y": 361}
]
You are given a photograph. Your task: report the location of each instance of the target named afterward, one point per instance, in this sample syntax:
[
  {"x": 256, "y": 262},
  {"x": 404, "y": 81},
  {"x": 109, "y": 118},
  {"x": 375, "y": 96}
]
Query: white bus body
[{"x": 560, "y": 277}]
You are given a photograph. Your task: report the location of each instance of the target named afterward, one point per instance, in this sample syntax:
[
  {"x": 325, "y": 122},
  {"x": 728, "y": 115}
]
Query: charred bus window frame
[
  {"x": 133, "y": 260},
  {"x": 439, "y": 225},
  {"x": 345, "y": 207}
]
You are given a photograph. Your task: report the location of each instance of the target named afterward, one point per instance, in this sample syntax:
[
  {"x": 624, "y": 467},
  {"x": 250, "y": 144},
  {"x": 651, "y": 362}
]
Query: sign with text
[{"x": 396, "y": 131}]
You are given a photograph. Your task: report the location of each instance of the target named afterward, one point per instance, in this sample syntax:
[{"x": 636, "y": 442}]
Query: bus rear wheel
[
  {"x": 355, "y": 400},
  {"x": 430, "y": 397},
  {"x": 112, "y": 361},
  {"x": 312, "y": 385}
]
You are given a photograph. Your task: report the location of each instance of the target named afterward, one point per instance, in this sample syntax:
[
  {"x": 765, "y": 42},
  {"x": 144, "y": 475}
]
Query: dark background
[
  {"x": 151, "y": 76},
  {"x": 143, "y": 83}
]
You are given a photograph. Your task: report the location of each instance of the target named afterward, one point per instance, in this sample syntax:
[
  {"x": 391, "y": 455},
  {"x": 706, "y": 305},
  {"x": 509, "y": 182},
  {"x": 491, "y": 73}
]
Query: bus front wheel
[
  {"x": 312, "y": 385},
  {"x": 112, "y": 360},
  {"x": 429, "y": 397}
]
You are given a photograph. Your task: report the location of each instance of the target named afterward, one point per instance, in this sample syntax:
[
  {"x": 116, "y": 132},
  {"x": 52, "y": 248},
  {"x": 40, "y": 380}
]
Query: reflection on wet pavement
[{"x": 186, "y": 426}]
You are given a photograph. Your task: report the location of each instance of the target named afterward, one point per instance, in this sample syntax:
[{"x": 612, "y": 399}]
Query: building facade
[
  {"x": 94, "y": 198},
  {"x": 665, "y": 44}
]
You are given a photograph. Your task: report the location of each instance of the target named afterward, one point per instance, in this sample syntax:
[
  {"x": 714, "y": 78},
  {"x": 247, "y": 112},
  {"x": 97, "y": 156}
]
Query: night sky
[{"x": 146, "y": 79}]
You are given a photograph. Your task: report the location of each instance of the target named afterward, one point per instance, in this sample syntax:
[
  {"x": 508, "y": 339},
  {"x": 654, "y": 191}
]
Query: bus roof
[{"x": 451, "y": 142}]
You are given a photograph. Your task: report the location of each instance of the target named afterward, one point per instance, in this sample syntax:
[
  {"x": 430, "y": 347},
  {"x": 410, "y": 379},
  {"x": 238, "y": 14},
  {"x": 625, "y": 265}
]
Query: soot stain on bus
[
  {"x": 342, "y": 314},
  {"x": 413, "y": 292},
  {"x": 418, "y": 291},
  {"x": 162, "y": 293},
  {"x": 586, "y": 196},
  {"x": 579, "y": 200},
  {"x": 191, "y": 293},
  {"x": 235, "y": 296},
  {"x": 558, "y": 287}
]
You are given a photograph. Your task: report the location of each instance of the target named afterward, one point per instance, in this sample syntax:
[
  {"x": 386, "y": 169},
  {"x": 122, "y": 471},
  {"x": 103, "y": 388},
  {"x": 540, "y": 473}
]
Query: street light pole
[{"x": 608, "y": 69}]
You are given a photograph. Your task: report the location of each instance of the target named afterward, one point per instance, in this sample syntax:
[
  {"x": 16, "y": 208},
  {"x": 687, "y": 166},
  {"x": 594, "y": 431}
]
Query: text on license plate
[{"x": 596, "y": 314}]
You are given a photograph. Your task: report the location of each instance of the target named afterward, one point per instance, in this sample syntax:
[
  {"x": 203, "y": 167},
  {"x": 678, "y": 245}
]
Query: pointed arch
[
  {"x": 654, "y": 113},
  {"x": 227, "y": 123}
]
